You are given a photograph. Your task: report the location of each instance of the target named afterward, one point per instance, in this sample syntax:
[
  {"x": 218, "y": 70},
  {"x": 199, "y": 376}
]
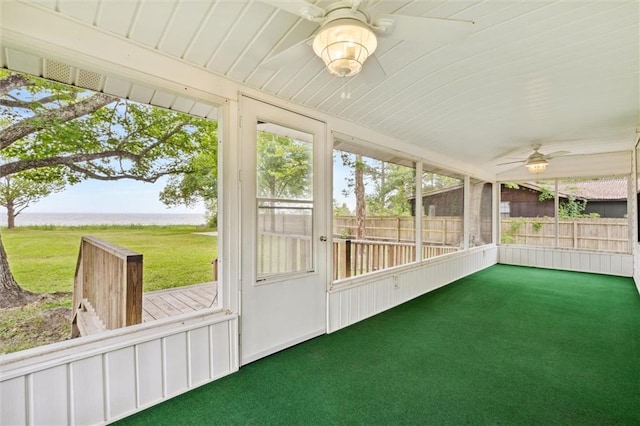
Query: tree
[
  {"x": 356, "y": 184},
  {"x": 283, "y": 167},
  {"x": 201, "y": 184},
  {"x": 19, "y": 191},
  {"x": 380, "y": 188},
  {"x": 340, "y": 210},
  {"x": 392, "y": 186},
  {"x": 77, "y": 135},
  {"x": 284, "y": 171}
]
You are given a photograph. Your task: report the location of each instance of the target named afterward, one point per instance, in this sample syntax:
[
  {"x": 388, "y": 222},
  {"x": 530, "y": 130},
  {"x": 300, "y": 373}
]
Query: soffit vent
[
  {"x": 57, "y": 71},
  {"x": 89, "y": 80}
]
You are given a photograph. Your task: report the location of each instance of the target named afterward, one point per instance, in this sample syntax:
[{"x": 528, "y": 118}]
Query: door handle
[{"x": 323, "y": 238}]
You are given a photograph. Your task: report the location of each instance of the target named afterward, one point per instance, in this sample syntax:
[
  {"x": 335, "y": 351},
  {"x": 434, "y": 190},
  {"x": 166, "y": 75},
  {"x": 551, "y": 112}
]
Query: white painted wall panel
[
  {"x": 13, "y": 402},
  {"x": 223, "y": 341},
  {"x": 93, "y": 381},
  {"x": 121, "y": 381},
  {"x": 620, "y": 264},
  {"x": 199, "y": 355},
  {"x": 175, "y": 363},
  {"x": 355, "y": 299},
  {"x": 150, "y": 374},
  {"x": 605, "y": 264},
  {"x": 594, "y": 262},
  {"x": 49, "y": 396},
  {"x": 616, "y": 266},
  {"x": 87, "y": 391},
  {"x": 627, "y": 268},
  {"x": 548, "y": 258}
]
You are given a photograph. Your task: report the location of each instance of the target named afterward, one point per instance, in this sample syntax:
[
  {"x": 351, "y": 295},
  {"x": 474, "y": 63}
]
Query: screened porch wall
[
  {"x": 621, "y": 264},
  {"x": 107, "y": 378},
  {"x": 358, "y": 298}
]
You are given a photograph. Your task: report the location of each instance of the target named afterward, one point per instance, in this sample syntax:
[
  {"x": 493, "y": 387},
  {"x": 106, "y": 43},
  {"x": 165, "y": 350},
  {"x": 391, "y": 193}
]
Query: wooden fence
[
  {"x": 356, "y": 257},
  {"x": 598, "y": 234},
  {"x": 107, "y": 291},
  {"x": 602, "y": 234},
  {"x": 445, "y": 230}
]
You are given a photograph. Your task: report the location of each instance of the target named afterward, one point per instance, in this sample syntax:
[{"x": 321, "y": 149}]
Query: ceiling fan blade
[
  {"x": 557, "y": 154},
  {"x": 512, "y": 162},
  {"x": 299, "y": 52},
  {"x": 372, "y": 71},
  {"x": 298, "y": 7},
  {"x": 411, "y": 28}
]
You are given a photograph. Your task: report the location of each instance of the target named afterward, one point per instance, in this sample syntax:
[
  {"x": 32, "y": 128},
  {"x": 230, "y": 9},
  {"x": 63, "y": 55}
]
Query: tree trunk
[
  {"x": 11, "y": 215},
  {"x": 361, "y": 215},
  {"x": 11, "y": 294}
]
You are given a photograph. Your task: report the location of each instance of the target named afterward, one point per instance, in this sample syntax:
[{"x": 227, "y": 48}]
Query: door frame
[{"x": 281, "y": 311}]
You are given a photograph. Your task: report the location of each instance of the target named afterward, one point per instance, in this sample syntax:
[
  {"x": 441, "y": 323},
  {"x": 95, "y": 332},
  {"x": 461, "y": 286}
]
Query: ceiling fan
[
  {"x": 347, "y": 35},
  {"x": 537, "y": 161}
]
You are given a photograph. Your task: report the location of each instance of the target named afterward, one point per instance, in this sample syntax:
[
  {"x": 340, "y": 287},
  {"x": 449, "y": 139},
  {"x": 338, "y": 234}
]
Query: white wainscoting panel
[
  {"x": 87, "y": 379},
  {"x": 98, "y": 379},
  {"x": 357, "y": 298},
  {"x": 120, "y": 367},
  {"x": 48, "y": 400},
  {"x": 620, "y": 264}
]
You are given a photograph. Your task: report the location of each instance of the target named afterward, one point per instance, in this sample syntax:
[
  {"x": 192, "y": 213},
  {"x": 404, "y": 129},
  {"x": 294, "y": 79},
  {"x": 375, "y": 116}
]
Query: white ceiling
[{"x": 564, "y": 74}]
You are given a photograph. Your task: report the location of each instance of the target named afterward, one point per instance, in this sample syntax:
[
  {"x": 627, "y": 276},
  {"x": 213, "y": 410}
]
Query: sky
[
  {"x": 124, "y": 196},
  {"x": 128, "y": 196}
]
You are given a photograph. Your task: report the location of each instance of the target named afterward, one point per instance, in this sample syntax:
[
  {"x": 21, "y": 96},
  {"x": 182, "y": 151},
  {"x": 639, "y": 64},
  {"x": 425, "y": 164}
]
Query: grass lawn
[{"x": 43, "y": 259}]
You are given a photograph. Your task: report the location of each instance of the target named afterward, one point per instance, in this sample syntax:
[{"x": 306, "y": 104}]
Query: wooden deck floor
[{"x": 174, "y": 301}]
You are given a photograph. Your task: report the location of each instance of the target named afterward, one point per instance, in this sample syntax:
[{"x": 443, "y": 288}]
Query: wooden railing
[
  {"x": 356, "y": 257},
  {"x": 107, "y": 291},
  {"x": 283, "y": 253}
]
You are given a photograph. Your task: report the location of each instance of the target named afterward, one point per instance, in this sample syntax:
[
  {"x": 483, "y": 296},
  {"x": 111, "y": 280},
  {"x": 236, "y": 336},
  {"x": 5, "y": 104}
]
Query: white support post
[
  {"x": 229, "y": 205},
  {"x": 467, "y": 212},
  {"x": 418, "y": 211},
  {"x": 556, "y": 202},
  {"x": 496, "y": 216}
]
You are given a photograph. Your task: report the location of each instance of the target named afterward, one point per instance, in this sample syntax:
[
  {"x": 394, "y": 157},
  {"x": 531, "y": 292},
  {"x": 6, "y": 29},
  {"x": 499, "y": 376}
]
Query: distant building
[
  {"x": 606, "y": 197},
  {"x": 450, "y": 201}
]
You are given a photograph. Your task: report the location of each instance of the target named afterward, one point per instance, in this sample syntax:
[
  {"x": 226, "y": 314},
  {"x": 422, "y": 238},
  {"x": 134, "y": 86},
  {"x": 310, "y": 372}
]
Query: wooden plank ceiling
[{"x": 563, "y": 74}]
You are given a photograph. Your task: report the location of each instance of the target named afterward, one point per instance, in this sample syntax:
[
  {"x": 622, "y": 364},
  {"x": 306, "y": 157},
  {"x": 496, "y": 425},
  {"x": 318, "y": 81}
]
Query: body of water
[{"x": 78, "y": 219}]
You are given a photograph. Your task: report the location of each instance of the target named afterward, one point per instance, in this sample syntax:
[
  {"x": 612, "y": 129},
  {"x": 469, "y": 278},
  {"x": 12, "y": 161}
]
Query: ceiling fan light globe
[
  {"x": 536, "y": 167},
  {"x": 344, "y": 45}
]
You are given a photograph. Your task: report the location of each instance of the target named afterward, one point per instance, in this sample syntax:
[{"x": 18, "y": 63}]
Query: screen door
[{"x": 284, "y": 229}]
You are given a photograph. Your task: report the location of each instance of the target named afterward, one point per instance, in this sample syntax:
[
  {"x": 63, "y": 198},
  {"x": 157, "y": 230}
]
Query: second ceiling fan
[{"x": 537, "y": 161}]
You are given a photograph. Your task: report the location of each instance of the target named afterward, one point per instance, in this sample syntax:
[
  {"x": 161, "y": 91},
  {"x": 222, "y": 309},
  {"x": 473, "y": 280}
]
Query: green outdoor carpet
[{"x": 507, "y": 345}]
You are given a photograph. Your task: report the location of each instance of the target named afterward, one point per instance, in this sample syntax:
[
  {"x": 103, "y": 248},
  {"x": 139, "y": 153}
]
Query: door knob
[{"x": 323, "y": 238}]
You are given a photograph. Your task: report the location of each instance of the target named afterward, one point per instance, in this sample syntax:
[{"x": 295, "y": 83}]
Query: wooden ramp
[{"x": 175, "y": 301}]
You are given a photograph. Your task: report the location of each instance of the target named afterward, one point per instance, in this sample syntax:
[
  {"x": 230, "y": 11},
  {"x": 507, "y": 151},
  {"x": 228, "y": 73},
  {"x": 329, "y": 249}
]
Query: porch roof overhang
[{"x": 561, "y": 74}]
